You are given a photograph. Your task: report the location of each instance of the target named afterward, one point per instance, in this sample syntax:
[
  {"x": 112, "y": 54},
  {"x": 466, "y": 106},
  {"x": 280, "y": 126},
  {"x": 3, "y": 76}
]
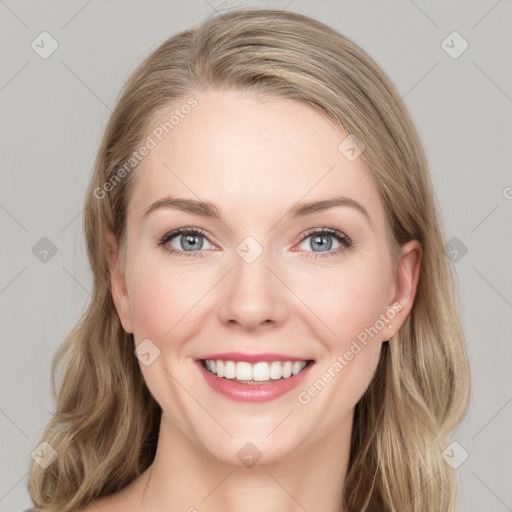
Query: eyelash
[{"x": 345, "y": 241}]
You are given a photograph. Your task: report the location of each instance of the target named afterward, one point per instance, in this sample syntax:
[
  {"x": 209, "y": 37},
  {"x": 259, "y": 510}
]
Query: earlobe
[
  {"x": 406, "y": 283},
  {"x": 118, "y": 284}
]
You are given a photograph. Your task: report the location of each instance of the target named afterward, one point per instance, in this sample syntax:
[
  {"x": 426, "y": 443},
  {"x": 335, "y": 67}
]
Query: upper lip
[{"x": 252, "y": 358}]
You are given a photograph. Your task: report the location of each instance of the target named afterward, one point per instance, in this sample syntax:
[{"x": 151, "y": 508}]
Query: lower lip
[{"x": 256, "y": 393}]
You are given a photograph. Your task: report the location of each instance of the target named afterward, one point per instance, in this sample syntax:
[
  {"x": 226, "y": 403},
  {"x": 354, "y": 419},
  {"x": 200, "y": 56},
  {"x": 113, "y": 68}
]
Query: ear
[
  {"x": 405, "y": 285},
  {"x": 118, "y": 284}
]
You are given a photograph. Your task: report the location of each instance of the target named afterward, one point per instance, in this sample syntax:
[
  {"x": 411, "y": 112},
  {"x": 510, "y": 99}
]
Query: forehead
[{"x": 250, "y": 153}]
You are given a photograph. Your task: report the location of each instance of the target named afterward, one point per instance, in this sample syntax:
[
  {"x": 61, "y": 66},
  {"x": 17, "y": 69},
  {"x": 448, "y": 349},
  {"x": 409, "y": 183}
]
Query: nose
[{"x": 252, "y": 294}]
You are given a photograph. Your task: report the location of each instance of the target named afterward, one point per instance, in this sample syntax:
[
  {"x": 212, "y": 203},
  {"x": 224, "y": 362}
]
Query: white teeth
[
  {"x": 229, "y": 370},
  {"x": 243, "y": 371},
  {"x": 297, "y": 367},
  {"x": 259, "y": 372},
  {"x": 276, "y": 370},
  {"x": 287, "y": 369},
  {"x": 220, "y": 368}
]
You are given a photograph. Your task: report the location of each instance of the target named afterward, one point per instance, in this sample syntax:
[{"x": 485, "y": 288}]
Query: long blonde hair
[{"x": 105, "y": 428}]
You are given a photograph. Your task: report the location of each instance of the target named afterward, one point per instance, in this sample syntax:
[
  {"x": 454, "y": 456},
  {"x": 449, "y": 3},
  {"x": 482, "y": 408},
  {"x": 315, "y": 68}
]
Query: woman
[{"x": 273, "y": 323}]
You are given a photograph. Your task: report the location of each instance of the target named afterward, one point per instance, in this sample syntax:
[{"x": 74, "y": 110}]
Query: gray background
[{"x": 53, "y": 113}]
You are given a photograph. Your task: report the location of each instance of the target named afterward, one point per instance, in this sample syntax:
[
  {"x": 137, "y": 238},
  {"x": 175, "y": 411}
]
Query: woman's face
[{"x": 263, "y": 279}]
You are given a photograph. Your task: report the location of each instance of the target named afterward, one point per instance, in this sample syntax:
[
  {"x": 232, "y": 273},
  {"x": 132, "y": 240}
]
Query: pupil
[
  {"x": 191, "y": 239},
  {"x": 321, "y": 242}
]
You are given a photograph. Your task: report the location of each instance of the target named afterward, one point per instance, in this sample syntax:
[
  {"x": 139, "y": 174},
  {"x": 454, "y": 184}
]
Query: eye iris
[
  {"x": 319, "y": 240},
  {"x": 191, "y": 239}
]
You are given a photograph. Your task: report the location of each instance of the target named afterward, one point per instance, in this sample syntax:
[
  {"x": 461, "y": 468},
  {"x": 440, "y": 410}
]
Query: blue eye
[
  {"x": 191, "y": 242},
  {"x": 321, "y": 239}
]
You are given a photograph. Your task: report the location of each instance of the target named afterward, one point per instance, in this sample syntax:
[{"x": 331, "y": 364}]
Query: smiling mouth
[{"x": 258, "y": 373}]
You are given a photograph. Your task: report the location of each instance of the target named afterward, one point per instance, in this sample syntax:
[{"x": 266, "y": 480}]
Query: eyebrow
[{"x": 208, "y": 209}]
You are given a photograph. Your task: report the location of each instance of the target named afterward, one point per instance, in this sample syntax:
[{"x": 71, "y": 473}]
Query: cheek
[
  {"x": 348, "y": 305},
  {"x": 158, "y": 297},
  {"x": 166, "y": 299},
  {"x": 347, "y": 301}
]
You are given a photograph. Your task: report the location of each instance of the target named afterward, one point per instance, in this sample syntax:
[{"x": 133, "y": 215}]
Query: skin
[{"x": 254, "y": 158}]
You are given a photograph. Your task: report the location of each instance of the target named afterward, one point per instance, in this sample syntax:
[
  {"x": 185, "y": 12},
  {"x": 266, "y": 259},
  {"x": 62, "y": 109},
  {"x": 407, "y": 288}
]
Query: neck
[{"x": 184, "y": 478}]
